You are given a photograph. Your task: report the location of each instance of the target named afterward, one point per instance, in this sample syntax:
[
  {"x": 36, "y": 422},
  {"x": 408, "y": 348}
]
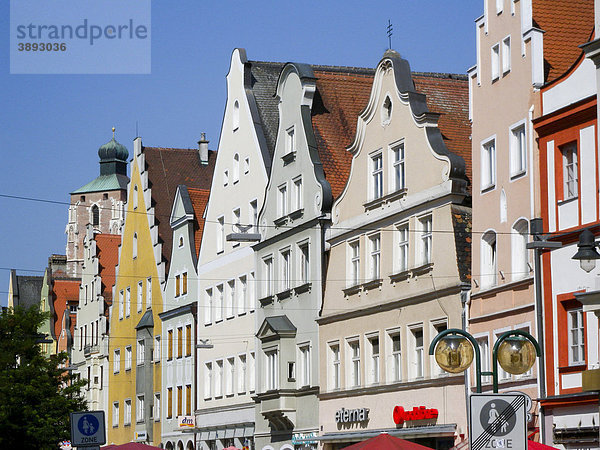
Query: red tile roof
[
  {"x": 344, "y": 94},
  {"x": 63, "y": 293},
  {"x": 448, "y": 95},
  {"x": 107, "y": 250},
  {"x": 566, "y": 24},
  {"x": 199, "y": 198},
  {"x": 167, "y": 169}
]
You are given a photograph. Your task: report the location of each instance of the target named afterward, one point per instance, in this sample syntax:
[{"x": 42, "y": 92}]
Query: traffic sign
[
  {"x": 497, "y": 421},
  {"x": 87, "y": 429}
]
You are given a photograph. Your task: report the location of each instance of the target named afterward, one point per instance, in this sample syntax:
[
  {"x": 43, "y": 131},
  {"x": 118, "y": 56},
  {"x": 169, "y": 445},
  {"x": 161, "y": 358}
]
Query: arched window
[
  {"x": 134, "y": 251},
  {"x": 489, "y": 264},
  {"x": 95, "y": 216},
  {"x": 236, "y": 168},
  {"x": 519, "y": 254},
  {"x": 236, "y": 115},
  {"x": 386, "y": 110}
]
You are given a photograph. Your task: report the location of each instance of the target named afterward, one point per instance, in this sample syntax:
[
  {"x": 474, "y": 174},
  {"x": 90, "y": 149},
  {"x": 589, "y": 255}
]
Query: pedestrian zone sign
[
  {"x": 497, "y": 421},
  {"x": 87, "y": 429}
]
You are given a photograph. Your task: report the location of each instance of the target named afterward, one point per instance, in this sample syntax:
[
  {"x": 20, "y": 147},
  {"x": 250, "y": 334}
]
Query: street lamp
[
  {"x": 514, "y": 350},
  {"x": 587, "y": 254}
]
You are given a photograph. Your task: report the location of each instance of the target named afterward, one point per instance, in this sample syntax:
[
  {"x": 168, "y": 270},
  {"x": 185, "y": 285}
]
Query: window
[
  {"x": 386, "y": 110},
  {"x": 140, "y": 295},
  {"x": 219, "y": 379},
  {"x": 128, "y": 357},
  {"x": 95, "y": 216},
  {"x": 230, "y": 300},
  {"x": 180, "y": 241},
  {"x": 254, "y": 215},
  {"x": 220, "y": 234},
  {"x": 520, "y": 257},
  {"x": 437, "y": 329},
  {"x": 184, "y": 283},
  {"x": 135, "y": 196},
  {"x": 230, "y": 377},
  {"x": 236, "y": 168},
  {"x": 235, "y": 222},
  {"x": 426, "y": 237},
  {"x": 354, "y": 369},
  {"x": 502, "y": 374},
  {"x": 304, "y": 263},
  {"x": 208, "y": 375},
  {"x": 488, "y": 260},
  {"x": 484, "y": 350},
  {"x": 499, "y": 6},
  {"x": 156, "y": 412},
  {"x": 128, "y": 302},
  {"x": 156, "y": 348},
  {"x": 149, "y": 293},
  {"x": 121, "y": 304},
  {"x": 290, "y": 141},
  {"x": 398, "y": 168},
  {"x": 304, "y": 379},
  {"x": 179, "y": 401},
  {"x": 188, "y": 400},
  {"x": 282, "y": 206},
  {"x": 285, "y": 262},
  {"x": 251, "y": 291},
  {"x": 395, "y": 366},
  {"x": 219, "y": 305},
  {"x": 225, "y": 178},
  {"x": 246, "y": 166},
  {"x": 140, "y": 352},
  {"x": 242, "y": 372},
  {"x": 134, "y": 246},
  {"x": 170, "y": 345},
  {"x": 139, "y": 409},
  {"x": 179, "y": 342},
  {"x": 570, "y": 171},
  {"x": 488, "y": 165},
  {"x": 236, "y": 115},
  {"x": 298, "y": 193},
  {"x": 375, "y": 244},
  {"x": 208, "y": 306},
  {"x": 127, "y": 412},
  {"x": 115, "y": 414},
  {"x": 272, "y": 379},
  {"x": 402, "y": 258},
  {"x": 268, "y": 267},
  {"x": 188, "y": 340},
  {"x": 355, "y": 263},
  {"x": 116, "y": 360},
  {"x": 335, "y": 372},
  {"x": 417, "y": 362},
  {"x": 242, "y": 293},
  {"x": 177, "y": 283},
  {"x": 576, "y": 336},
  {"x": 495, "y": 62},
  {"x": 169, "y": 402},
  {"x": 374, "y": 359},
  {"x": 518, "y": 151},
  {"x": 376, "y": 176},
  {"x": 506, "y": 55},
  {"x": 251, "y": 365}
]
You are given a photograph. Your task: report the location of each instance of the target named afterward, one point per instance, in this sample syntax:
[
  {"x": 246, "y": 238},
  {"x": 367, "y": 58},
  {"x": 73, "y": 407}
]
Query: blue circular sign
[{"x": 88, "y": 425}]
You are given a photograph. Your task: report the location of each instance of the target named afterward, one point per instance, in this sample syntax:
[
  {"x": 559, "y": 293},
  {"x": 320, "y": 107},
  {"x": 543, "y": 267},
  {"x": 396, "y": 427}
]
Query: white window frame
[
  {"x": 220, "y": 234},
  {"x": 304, "y": 357},
  {"x": 417, "y": 354},
  {"x": 218, "y": 377},
  {"x": 518, "y": 149},
  {"x": 242, "y": 373},
  {"x": 353, "y": 351},
  {"x": 354, "y": 262},
  {"x": 121, "y": 303},
  {"x": 148, "y": 292},
  {"x": 495, "y": 61},
  {"x": 127, "y": 412},
  {"x": 290, "y": 140},
  {"x": 235, "y": 175},
  {"x": 156, "y": 407},
  {"x": 506, "y": 55},
  {"x": 285, "y": 265},
  {"x": 140, "y": 295},
  {"x": 297, "y": 194},
  {"x": 230, "y": 300},
  {"x": 502, "y": 374},
  {"x": 375, "y": 256},
  {"x": 483, "y": 341},
  {"x": 134, "y": 246},
  {"x": 519, "y": 251},
  {"x": 268, "y": 276},
  {"x": 140, "y": 352},
  {"x": 242, "y": 295},
  {"x": 208, "y": 306},
  {"x": 208, "y": 380},
  {"x": 435, "y": 329},
  {"x": 115, "y": 414},
  {"x": 376, "y": 175},
  {"x": 230, "y": 377},
  {"x": 488, "y": 164},
  {"x": 156, "y": 350},
  {"x": 219, "y": 307},
  {"x": 271, "y": 369},
  {"x": 282, "y": 200},
  {"x": 139, "y": 408},
  {"x": 402, "y": 247},
  {"x": 117, "y": 360},
  {"x": 304, "y": 262},
  {"x": 398, "y": 167},
  {"x": 394, "y": 372},
  {"x": 374, "y": 358},
  {"x": 251, "y": 372},
  {"x": 580, "y": 330},
  {"x": 253, "y": 211},
  {"x": 489, "y": 259},
  {"x": 334, "y": 366},
  {"x": 569, "y": 153},
  {"x": 426, "y": 239},
  {"x": 128, "y": 358}
]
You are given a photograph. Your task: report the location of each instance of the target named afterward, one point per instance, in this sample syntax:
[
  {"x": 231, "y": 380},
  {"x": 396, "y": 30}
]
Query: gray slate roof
[
  {"x": 280, "y": 324},
  {"x": 27, "y": 290},
  {"x": 110, "y": 182}
]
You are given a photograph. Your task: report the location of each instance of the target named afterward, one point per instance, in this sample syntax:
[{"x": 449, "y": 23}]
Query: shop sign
[
  {"x": 417, "y": 413},
  {"x": 140, "y": 436},
  {"x": 304, "y": 438},
  {"x": 186, "y": 421},
  {"x": 352, "y": 415}
]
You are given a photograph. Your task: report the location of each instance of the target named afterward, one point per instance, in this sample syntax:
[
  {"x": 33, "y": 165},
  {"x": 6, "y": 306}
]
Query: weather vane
[{"x": 390, "y": 30}]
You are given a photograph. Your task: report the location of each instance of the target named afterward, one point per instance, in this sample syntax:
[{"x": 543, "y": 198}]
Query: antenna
[{"x": 390, "y": 31}]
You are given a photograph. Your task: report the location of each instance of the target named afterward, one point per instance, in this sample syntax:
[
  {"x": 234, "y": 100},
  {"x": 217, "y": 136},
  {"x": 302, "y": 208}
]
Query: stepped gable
[
  {"x": 448, "y": 95},
  {"x": 168, "y": 168},
  {"x": 566, "y": 25},
  {"x": 342, "y": 93},
  {"x": 199, "y": 199}
]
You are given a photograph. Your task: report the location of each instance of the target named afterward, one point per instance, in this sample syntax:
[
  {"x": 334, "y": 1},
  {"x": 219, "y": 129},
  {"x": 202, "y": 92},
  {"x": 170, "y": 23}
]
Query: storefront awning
[{"x": 447, "y": 430}]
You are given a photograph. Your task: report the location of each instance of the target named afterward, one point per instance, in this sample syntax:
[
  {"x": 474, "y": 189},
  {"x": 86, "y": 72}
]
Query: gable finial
[
  {"x": 390, "y": 30},
  {"x": 113, "y": 129}
]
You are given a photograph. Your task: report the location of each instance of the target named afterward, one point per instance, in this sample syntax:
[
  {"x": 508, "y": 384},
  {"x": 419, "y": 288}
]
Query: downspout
[{"x": 465, "y": 300}]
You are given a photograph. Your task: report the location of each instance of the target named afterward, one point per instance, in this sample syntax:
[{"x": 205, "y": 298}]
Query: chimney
[{"x": 203, "y": 149}]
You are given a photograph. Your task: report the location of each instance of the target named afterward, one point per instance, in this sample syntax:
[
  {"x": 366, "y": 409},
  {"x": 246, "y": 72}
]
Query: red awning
[
  {"x": 386, "y": 442},
  {"x": 537, "y": 446}
]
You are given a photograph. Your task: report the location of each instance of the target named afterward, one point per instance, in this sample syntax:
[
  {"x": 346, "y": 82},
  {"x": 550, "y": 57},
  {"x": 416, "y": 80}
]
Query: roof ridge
[{"x": 454, "y": 76}]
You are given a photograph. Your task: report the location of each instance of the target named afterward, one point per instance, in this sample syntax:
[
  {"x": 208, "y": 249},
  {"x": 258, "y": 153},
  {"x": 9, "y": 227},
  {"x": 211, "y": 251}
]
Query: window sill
[
  {"x": 266, "y": 300},
  {"x": 372, "y": 284},
  {"x": 296, "y": 214},
  {"x": 284, "y": 294},
  {"x": 516, "y": 176},
  {"x": 302, "y": 288},
  {"x": 420, "y": 270},
  {"x": 400, "y": 276},
  {"x": 567, "y": 200},
  {"x": 280, "y": 221},
  {"x": 575, "y": 367},
  {"x": 375, "y": 203},
  {"x": 352, "y": 290},
  {"x": 488, "y": 188},
  {"x": 289, "y": 158}
]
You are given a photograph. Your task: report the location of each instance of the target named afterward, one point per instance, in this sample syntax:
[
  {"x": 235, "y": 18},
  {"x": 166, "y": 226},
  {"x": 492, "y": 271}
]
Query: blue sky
[{"x": 52, "y": 125}]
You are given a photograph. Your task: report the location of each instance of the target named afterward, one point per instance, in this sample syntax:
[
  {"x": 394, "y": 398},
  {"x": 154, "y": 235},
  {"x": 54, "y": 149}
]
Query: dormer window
[
  {"x": 236, "y": 115},
  {"x": 386, "y": 111}
]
